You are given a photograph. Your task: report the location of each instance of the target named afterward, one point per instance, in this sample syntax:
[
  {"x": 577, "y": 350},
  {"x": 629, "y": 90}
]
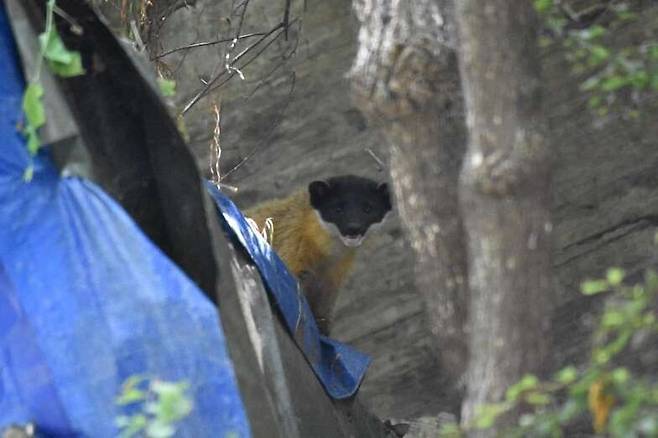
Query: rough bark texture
[
  {"x": 406, "y": 80},
  {"x": 505, "y": 198}
]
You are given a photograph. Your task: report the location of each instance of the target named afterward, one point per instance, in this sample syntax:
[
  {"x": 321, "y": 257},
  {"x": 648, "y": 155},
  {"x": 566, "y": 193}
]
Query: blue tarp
[
  {"x": 86, "y": 300},
  {"x": 339, "y": 367}
]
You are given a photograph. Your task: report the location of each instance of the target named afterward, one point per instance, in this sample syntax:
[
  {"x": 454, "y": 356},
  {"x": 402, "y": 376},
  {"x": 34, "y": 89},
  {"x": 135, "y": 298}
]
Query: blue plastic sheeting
[
  {"x": 339, "y": 367},
  {"x": 86, "y": 300}
]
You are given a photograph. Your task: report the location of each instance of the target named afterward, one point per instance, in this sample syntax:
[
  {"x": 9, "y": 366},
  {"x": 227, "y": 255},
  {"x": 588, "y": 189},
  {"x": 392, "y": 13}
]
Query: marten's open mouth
[{"x": 352, "y": 241}]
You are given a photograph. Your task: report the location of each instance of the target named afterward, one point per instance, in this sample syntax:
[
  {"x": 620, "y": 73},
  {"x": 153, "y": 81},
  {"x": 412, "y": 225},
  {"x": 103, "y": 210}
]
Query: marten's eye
[{"x": 367, "y": 208}]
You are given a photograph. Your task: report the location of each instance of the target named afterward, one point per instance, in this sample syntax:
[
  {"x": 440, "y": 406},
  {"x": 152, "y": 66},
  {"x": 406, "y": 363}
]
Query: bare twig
[
  {"x": 212, "y": 81},
  {"x": 273, "y": 127},
  {"x": 74, "y": 26},
  {"x": 380, "y": 164},
  {"x": 137, "y": 37},
  {"x": 227, "y": 63},
  {"x": 286, "y": 17},
  {"x": 576, "y": 16},
  {"x": 266, "y": 78},
  {"x": 252, "y": 59},
  {"x": 215, "y": 147},
  {"x": 204, "y": 44}
]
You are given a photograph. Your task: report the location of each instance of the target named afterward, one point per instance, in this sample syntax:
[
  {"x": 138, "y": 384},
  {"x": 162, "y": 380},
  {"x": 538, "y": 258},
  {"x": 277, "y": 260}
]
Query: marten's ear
[
  {"x": 318, "y": 191},
  {"x": 385, "y": 195}
]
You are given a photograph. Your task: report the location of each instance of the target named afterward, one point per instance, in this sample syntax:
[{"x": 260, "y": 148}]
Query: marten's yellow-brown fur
[
  {"x": 316, "y": 232},
  {"x": 319, "y": 260}
]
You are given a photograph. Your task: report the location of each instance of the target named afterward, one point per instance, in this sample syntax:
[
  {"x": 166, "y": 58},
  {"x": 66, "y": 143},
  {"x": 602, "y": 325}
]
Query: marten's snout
[{"x": 353, "y": 230}]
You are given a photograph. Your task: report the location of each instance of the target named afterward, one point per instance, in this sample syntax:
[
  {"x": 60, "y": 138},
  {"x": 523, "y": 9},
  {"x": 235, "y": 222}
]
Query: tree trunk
[
  {"x": 505, "y": 195},
  {"x": 406, "y": 80}
]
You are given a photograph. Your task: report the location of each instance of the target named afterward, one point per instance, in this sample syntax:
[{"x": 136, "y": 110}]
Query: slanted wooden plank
[{"x": 303, "y": 406}]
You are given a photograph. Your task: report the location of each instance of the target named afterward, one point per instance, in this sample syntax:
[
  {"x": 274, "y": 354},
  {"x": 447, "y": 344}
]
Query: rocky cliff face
[{"x": 294, "y": 109}]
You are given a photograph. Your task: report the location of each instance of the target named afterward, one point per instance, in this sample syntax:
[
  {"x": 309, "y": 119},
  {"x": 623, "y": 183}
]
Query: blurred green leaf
[
  {"x": 613, "y": 83},
  {"x": 526, "y": 383},
  {"x": 486, "y": 415},
  {"x": 567, "y": 375},
  {"x": 620, "y": 376},
  {"x": 161, "y": 405},
  {"x": 28, "y": 174},
  {"x": 593, "y": 287},
  {"x": 543, "y": 6},
  {"x": 615, "y": 276},
  {"x": 598, "y": 54},
  {"x": 538, "y": 398},
  {"x": 596, "y": 31},
  {"x": 130, "y": 426},
  {"x": 61, "y": 61},
  {"x": 612, "y": 318},
  {"x": 167, "y": 87},
  {"x": 33, "y": 106},
  {"x": 594, "y": 101},
  {"x": 158, "y": 429}
]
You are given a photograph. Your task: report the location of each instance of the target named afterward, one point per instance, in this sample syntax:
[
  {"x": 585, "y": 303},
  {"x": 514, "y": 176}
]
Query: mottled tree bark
[
  {"x": 505, "y": 194},
  {"x": 406, "y": 80}
]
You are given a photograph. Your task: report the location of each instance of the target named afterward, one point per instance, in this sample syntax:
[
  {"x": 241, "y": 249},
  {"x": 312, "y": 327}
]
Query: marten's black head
[{"x": 350, "y": 205}]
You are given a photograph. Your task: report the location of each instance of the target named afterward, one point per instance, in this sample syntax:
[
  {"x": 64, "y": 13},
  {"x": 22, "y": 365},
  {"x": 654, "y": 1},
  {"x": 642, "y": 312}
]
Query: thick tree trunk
[
  {"x": 505, "y": 197},
  {"x": 406, "y": 80}
]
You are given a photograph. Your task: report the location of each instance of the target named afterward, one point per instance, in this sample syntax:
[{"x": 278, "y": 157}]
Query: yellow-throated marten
[{"x": 317, "y": 230}]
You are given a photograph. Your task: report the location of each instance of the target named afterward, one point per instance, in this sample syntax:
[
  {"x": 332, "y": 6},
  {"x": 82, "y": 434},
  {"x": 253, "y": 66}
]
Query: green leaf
[
  {"x": 544, "y": 41},
  {"x": 547, "y": 426},
  {"x": 528, "y": 382},
  {"x": 33, "y": 140},
  {"x": 649, "y": 319},
  {"x": 70, "y": 69},
  {"x": 626, "y": 16},
  {"x": 33, "y": 106},
  {"x": 651, "y": 277},
  {"x": 543, "y": 6},
  {"x": 131, "y": 396},
  {"x": 172, "y": 403},
  {"x": 567, "y": 375},
  {"x": 538, "y": 398},
  {"x": 28, "y": 174},
  {"x": 652, "y": 51},
  {"x": 594, "y": 101},
  {"x": 131, "y": 425},
  {"x": 598, "y": 55},
  {"x": 612, "y": 318},
  {"x": 158, "y": 429},
  {"x": 487, "y": 414},
  {"x": 654, "y": 81},
  {"x": 620, "y": 376},
  {"x": 595, "y": 31},
  {"x": 167, "y": 87},
  {"x": 63, "y": 62},
  {"x": 130, "y": 393},
  {"x": 613, "y": 83},
  {"x": 639, "y": 80},
  {"x": 447, "y": 430},
  {"x": 593, "y": 287},
  {"x": 615, "y": 276}
]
